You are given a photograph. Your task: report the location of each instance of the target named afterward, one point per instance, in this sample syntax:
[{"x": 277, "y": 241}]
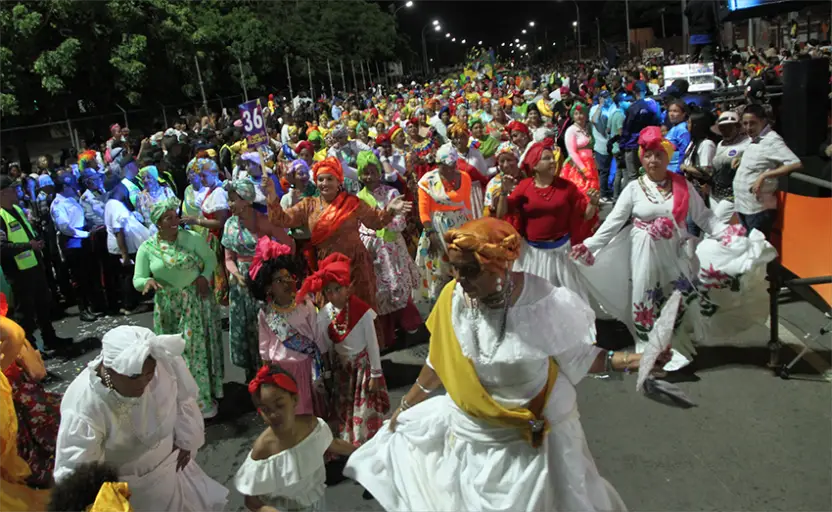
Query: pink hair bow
[{"x": 266, "y": 249}]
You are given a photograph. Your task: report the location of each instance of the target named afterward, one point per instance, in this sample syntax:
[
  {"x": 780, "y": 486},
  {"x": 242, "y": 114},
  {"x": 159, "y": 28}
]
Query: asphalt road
[{"x": 755, "y": 442}]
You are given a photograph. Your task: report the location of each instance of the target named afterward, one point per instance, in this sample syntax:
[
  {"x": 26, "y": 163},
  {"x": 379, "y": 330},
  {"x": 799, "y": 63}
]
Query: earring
[{"x": 499, "y": 284}]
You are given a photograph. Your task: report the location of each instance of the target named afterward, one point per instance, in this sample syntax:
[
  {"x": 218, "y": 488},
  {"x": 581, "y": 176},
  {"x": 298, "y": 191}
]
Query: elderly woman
[
  {"x": 135, "y": 407},
  {"x": 195, "y": 194},
  {"x": 239, "y": 245},
  {"x": 154, "y": 192},
  {"x": 300, "y": 186},
  {"x": 346, "y": 151},
  {"x": 508, "y": 168},
  {"x": 444, "y": 204},
  {"x": 177, "y": 264},
  {"x": 396, "y": 274},
  {"x": 651, "y": 251},
  {"x": 507, "y": 435},
  {"x": 215, "y": 212},
  {"x": 472, "y": 163},
  {"x": 580, "y": 167},
  {"x": 333, "y": 219}
]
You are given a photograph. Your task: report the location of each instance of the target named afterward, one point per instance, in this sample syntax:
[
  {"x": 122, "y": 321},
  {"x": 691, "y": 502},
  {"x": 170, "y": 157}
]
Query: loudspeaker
[{"x": 805, "y": 104}]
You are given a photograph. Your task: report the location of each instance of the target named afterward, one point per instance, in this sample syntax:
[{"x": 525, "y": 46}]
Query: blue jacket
[{"x": 640, "y": 115}]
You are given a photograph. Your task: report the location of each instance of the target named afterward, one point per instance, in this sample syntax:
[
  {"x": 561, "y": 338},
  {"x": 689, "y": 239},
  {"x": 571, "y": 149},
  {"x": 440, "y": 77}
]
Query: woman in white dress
[
  {"x": 134, "y": 407},
  {"x": 653, "y": 252},
  {"x": 507, "y": 436}
]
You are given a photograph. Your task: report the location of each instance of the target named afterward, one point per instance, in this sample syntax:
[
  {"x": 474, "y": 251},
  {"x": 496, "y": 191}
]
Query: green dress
[
  {"x": 243, "y": 308},
  {"x": 178, "y": 307}
]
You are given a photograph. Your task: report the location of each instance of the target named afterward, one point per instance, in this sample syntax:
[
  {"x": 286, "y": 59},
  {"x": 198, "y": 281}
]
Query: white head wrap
[
  {"x": 447, "y": 154},
  {"x": 126, "y": 348}
]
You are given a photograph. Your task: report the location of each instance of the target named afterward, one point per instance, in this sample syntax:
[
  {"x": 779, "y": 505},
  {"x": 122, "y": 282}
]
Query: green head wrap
[
  {"x": 243, "y": 188},
  {"x": 366, "y": 158},
  {"x": 151, "y": 170},
  {"x": 315, "y": 135},
  {"x": 161, "y": 207}
]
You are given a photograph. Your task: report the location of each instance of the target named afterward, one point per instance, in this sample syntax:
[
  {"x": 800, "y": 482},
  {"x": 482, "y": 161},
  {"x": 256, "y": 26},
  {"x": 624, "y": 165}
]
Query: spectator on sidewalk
[{"x": 23, "y": 265}]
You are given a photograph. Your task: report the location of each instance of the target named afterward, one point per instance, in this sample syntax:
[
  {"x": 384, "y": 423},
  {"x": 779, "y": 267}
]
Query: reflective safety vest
[{"x": 16, "y": 234}]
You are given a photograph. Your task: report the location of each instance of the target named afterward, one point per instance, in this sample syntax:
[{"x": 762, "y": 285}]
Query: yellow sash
[{"x": 460, "y": 378}]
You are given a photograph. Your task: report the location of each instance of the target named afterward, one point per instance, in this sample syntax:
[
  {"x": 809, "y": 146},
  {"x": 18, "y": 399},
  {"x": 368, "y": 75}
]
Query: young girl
[
  {"x": 285, "y": 468},
  {"x": 289, "y": 333},
  {"x": 347, "y": 323}
]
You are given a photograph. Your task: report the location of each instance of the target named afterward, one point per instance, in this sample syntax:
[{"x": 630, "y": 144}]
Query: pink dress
[
  {"x": 581, "y": 158},
  {"x": 293, "y": 341}
]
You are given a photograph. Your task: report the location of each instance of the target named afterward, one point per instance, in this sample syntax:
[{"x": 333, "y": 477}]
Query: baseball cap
[{"x": 728, "y": 117}]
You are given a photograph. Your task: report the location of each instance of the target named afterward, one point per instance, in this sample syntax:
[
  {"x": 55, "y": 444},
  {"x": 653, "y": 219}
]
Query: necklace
[
  {"x": 546, "y": 193},
  {"x": 504, "y": 300},
  {"x": 284, "y": 309},
  {"x": 124, "y": 409},
  {"x": 340, "y": 329}
]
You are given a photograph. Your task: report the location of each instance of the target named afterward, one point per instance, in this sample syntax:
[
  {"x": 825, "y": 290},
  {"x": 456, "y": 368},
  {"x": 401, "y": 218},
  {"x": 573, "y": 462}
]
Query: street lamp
[
  {"x": 503, "y": 44},
  {"x": 437, "y": 28},
  {"x": 463, "y": 41},
  {"x": 531, "y": 23},
  {"x": 539, "y": 48},
  {"x": 448, "y": 34},
  {"x": 524, "y": 30},
  {"x": 516, "y": 40},
  {"x": 453, "y": 39},
  {"x": 407, "y": 4},
  {"x": 480, "y": 43}
]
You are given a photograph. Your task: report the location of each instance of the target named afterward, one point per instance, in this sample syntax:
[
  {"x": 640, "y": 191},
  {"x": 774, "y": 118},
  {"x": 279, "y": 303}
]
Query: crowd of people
[{"x": 476, "y": 200}]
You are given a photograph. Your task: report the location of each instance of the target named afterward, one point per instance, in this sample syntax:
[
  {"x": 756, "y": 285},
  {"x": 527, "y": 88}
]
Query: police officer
[{"x": 22, "y": 261}]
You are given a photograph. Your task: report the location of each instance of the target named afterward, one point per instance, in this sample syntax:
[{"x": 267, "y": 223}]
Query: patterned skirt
[
  {"x": 198, "y": 320},
  {"x": 38, "y": 417},
  {"x": 360, "y": 412},
  {"x": 242, "y": 326},
  {"x": 220, "y": 284}
]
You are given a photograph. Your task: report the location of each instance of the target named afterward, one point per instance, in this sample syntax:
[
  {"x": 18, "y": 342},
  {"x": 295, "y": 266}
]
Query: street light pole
[
  {"x": 598, "y": 27},
  {"x": 242, "y": 76},
  {"x": 627, "y": 15},
  {"x": 578, "y": 27},
  {"x": 434, "y": 23}
]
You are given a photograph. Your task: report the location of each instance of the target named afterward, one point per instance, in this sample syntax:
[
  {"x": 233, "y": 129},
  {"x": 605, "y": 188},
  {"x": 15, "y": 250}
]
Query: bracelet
[
  {"x": 608, "y": 361},
  {"x": 423, "y": 388},
  {"x": 404, "y": 405}
]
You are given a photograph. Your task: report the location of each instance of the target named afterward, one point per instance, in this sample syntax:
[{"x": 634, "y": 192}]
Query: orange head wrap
[
  {"x": 335, "y": 267},
  {"x": 459, "y": 129},
  {"x": 494, "y": 242},
  {"x": 329, "y": 165}
]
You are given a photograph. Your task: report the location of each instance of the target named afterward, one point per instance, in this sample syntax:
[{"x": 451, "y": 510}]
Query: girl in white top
[
  {"x": 346, "y": 322},
  {"x": 285, "y": 468}
]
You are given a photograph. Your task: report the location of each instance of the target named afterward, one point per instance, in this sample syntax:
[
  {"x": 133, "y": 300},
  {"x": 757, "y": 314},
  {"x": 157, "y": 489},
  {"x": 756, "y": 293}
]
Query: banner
[
  {"x": 699, "y": 76},
  {"x": 254, "y": 125}
]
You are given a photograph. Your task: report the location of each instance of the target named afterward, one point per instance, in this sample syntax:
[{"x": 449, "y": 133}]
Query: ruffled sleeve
[
  {"x": 79, "y": 441},
  {"x": 293, "y": 473},
  {"x": 189, "y": 429}
]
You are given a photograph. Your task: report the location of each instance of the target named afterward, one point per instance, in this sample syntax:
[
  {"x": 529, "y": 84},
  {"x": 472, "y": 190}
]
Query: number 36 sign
[{"x": 254, "y": 125}]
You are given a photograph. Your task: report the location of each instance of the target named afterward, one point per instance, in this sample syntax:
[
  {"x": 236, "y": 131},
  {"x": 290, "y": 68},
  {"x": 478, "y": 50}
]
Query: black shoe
[
  {"x": 98, "y": 314},
  {"x": 88, "y": 316}
]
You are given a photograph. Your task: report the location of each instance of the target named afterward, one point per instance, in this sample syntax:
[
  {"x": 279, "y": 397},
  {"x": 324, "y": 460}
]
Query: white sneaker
[{"x": 209, "y": 411}]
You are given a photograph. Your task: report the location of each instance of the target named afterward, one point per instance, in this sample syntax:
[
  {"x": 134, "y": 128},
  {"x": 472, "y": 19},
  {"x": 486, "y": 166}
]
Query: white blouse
[
  {"x": 361, "y": 337},
  {"x": 217, "y": 200},
  {"x": 292, "y": 479},
  {"x": 97, "y": 424},
  {"x": 515, "y": 370},
  {"x": 634, "y": 203}
]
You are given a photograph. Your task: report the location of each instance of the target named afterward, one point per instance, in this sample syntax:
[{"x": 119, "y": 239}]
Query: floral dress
[
  {"x": 580, "y": 169},
  {"x": 396, "y": 273},
  {"x": 243, "y": 307},
  {"x": 146, "y": 200},
  {"x": 654, "y": 249}
]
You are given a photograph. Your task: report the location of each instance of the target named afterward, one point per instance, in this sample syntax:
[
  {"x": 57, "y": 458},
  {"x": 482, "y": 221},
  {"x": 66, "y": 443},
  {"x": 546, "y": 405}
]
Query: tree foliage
[{"x": 137, "y": 52}]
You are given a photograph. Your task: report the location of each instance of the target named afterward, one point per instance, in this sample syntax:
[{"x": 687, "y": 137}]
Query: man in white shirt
[
  {"x": 726, "y": 159},
  {"x": 766, "y": 159},
  {"x": 68, "y": 217}
]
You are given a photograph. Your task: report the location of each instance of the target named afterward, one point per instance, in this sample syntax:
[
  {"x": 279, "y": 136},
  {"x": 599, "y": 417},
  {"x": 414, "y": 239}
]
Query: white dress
[
  {"x": 638, "y": 266},
  {"x": 137, "y": 436},
  {"x": 294, "y": 479},
  {"x": 441, "y": 459}
]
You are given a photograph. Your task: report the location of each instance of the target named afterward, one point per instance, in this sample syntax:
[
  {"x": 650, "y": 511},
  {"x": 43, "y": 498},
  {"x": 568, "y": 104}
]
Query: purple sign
[{"x": 254, "y": 125}]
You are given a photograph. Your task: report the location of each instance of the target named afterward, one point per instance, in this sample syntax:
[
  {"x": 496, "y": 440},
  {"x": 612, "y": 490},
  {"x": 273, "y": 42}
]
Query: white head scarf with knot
[{"x": 125, "y": 349}]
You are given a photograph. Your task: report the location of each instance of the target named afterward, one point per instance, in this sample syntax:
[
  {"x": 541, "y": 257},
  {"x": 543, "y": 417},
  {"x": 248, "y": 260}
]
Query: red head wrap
[
  {"x": 329, "y": 165},
  {"x": 281, "y": 380},
  {"x": 304, "y": 144},
  {"x": 266, "y": 250},
  {"x": 517, "y": 126},
  {"x": 381, "y": 139},
  {"x": 412, "y": 121},
  {"x": 393, "y": 131},
  {"x": 533, "y": 155},
  {"x": 335, "y": 267},
  {"x": 651, "y": 139}
]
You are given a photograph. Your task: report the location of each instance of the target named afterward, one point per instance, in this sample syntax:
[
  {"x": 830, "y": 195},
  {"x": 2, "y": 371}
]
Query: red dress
[{"x": 581, "y": 170}]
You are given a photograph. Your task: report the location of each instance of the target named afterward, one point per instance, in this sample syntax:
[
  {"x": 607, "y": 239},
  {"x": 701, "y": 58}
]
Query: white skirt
[
  {"x": 441, "y": 459},
  {"x": 165, "y": 489}
]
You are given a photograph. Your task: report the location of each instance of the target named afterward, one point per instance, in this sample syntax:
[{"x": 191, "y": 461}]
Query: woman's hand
[
  {"x": 394, "y": 420},
  {"x": 239, "y": 279},
  {"x": 507, "y": 184},
  {"x": 663, "y": 359},
  {"x": 582, "y": 253},
  {"x": 594, "y": 197},
  {"x": 269, "y": 190},
  {"x": 202, "y": 287},
  {"x": 182, "y": 458},
  {"x": 189, "y": 221},
  {"x": 399, "y": 206},
  {"x": 151, "y": 284},
  {"x": 758, "y": 183},
  {"x": 435, "y": 246},
  {"x": 375, "y": 384}
]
